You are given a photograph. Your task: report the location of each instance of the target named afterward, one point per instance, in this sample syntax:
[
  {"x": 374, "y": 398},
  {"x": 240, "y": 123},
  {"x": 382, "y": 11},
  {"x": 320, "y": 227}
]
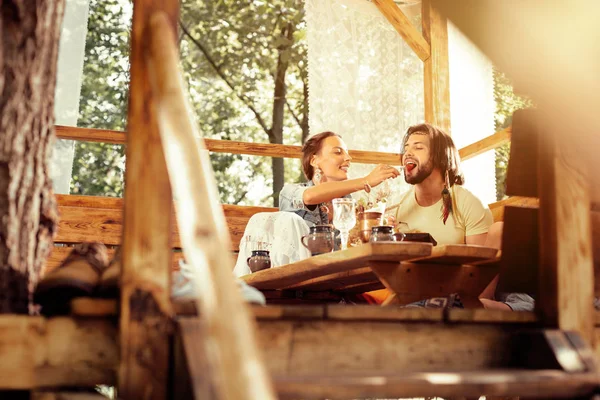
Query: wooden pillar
[
  {"x": 145, "y": 279},
  {"x": 566, "y": 287},
  {"x": 436, "y": 74}
]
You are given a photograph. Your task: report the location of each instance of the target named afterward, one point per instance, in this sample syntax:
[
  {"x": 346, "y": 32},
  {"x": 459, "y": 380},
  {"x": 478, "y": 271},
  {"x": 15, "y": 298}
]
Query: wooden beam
[
  {"x": 404, "y": 27},
  {"x": 421, "y": 281},
  {"x": 495, "y": 384},
  {"x": 228, "y": 146},
  {"x": 383, "y": 344},
  {"x": 486, "y": 144},
  {"x": 566, "y": 274},
  {"x": 36, "y": 352},
  {"x": 436, "y": 70},
  {"x": 236, "y": 365},
  {"x": 146, "y": 266}
]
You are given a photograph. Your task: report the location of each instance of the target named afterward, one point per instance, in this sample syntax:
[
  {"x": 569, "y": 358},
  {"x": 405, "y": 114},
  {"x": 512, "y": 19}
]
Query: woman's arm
[{"x": 328, "y": 191}]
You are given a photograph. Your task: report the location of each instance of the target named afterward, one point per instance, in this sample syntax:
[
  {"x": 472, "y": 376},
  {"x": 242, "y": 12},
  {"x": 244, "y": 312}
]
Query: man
[{"x": 437, "y": 203}]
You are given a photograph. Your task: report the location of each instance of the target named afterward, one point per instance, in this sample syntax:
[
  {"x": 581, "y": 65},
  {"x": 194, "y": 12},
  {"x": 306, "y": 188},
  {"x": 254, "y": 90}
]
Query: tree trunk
[
  {"x": 30, "y": 31},
  {"x": 276, "y": 131}
]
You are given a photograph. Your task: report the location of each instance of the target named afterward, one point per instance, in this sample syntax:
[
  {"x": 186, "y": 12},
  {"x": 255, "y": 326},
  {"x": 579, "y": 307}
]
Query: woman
[{"x": 325, "y": 162}]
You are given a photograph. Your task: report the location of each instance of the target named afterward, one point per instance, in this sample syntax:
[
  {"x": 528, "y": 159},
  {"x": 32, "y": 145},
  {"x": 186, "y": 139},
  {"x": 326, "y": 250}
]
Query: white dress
[{"x": 278, "y": 232}]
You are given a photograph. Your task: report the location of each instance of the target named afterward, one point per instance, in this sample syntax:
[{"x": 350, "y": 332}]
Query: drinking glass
[{"x": 344, "y": 218}]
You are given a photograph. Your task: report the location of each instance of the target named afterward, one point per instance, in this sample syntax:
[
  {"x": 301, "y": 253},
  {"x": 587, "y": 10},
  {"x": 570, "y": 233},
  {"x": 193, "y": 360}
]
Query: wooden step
[{"x": 517, "y": 382}]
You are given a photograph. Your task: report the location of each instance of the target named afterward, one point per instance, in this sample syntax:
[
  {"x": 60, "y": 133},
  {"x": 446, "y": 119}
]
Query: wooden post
[
  {"x": 145, "y": 279},
  {"x": 436, "y": 74},
  {"x": 237, "y": 370},
  {"x": 566, "y": 288}
]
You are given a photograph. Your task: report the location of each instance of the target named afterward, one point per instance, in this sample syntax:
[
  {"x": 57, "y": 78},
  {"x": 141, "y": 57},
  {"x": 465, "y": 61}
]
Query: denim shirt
[{"x": 291, "y": 199}]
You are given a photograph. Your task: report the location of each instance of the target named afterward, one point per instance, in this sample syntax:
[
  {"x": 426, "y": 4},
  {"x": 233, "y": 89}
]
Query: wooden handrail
[
  {"x": 485, "y": 144},
  {"x": 279, "y": 150},
  {"x": 235, "y": 360},
  {"x": 227, "y": 146}
]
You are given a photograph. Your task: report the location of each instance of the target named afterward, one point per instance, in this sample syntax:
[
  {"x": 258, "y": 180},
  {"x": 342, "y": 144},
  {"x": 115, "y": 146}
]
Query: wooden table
[{"x": 411, "y": 270}]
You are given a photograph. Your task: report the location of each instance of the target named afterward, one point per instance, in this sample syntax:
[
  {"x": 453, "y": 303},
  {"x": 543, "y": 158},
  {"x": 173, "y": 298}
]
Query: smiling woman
[{"x": 325, "y": 163}]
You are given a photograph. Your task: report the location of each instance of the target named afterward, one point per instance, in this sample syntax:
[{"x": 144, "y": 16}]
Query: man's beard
[{"x": 420, "y": 176}]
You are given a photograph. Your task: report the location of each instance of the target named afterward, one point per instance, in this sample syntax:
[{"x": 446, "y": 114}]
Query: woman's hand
[{"x": 380, "y": 174}]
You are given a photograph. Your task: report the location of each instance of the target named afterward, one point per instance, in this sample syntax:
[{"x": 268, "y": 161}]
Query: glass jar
[{"x": 382, "y": 233}]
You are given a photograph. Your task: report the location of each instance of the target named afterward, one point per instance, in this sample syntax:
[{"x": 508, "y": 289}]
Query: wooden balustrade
[{"x": 279, "y": 150}]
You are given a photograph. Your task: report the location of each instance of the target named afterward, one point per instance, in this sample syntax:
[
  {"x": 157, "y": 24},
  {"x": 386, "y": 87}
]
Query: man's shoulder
[{"x": 465, "y": 194}]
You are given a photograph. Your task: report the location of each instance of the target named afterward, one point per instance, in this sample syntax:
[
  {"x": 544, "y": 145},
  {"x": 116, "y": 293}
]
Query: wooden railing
[{"x": 280, "y": 150}]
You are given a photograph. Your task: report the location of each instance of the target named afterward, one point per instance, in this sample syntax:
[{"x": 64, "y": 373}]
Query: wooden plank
[
  {"x": 472, "y": 384},
  {"x": 434, "y": 280},
  {"x": 520, "y": 251},
  {"x": 378, "y": 313},
  {"x": 275, "y": 312},
  {"x": 522, "y": 172},
  {"x": 338, "y": 281},
  {"x": 229, "y": 146},
  {"x": 236, "y": 365},
  {"x": 497, "y": 208},
  {"x": 331, "y": 263},
  {"x": 92, "y": 218},
  {"x": 436, "y": 69},
  {"x": 42, "y": 353},
  {"x": 192, "y": 336},
  {"x": 404, "y": 27},
  {"x": 347, "y": 345},
  {"x": 482, "y": 315},
  {"x": 59, "y": 254},
  {"x": 457, "y": 254},
  {"x": 90, "y": 135},
  {"x": 360, "y": 288},
  {"x": 62, "y": 395},
  {"x": 78, "y": 224},
  {"x": 566, "y": 274},
  {"x": 486, "y": 144},
  {"x": 145, "y": 277}
]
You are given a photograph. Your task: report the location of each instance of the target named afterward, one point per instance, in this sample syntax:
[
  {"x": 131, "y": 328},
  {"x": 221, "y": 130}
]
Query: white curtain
[
  {"x": 68, "y": 86},
  {"x": 365, "y": 83}
]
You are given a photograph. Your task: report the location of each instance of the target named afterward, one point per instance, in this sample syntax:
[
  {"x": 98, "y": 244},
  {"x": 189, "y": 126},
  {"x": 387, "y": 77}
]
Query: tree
[
  {"x": 507, "y": 102},
  {"x": 245, "y": 65},
  {"x": 30, "y": 35}
]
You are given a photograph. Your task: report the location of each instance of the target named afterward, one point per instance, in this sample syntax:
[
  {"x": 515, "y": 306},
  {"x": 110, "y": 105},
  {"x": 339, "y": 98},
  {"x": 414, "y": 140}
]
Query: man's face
[{"x": 417, "y": 159}]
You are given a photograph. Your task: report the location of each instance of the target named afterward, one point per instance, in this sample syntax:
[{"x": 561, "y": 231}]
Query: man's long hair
[{"x": 443, "y": 152}]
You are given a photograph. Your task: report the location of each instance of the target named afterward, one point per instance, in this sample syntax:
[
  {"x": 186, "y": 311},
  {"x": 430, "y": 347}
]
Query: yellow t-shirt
[{"x": 469, "y": 216}]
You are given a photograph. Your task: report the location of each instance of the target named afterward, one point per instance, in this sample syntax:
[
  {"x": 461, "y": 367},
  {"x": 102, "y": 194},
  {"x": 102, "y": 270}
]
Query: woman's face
[{"x": 333, "y": 159}]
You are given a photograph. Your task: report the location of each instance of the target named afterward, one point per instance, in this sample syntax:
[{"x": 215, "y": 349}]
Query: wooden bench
[{"x": 100, "y": 219}]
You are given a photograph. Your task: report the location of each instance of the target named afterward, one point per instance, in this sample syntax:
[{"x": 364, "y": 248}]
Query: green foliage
[
  {"x": 229, "y": 53},
  {"x": 98, "y": 168},
  {"x": 507, "y": 102}
]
